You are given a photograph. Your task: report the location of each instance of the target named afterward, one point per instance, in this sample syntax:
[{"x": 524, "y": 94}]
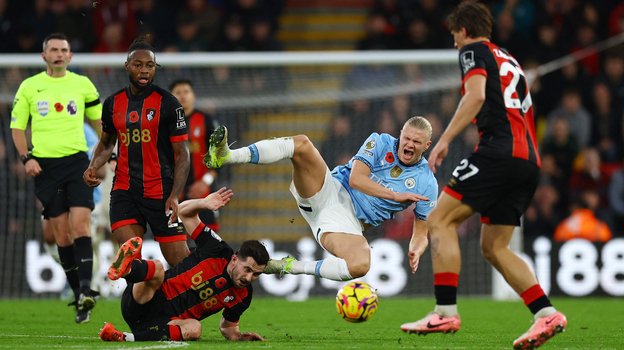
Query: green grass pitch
[{"x": 593, "y": 323}]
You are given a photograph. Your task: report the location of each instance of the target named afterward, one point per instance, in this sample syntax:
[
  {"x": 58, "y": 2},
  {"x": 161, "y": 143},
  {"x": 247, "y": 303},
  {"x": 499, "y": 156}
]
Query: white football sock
[
  {"x": 544, "y": 312},
  {"x": 332, "y": 268},
  {"x": 238, "y": 156},
  {"x": 263, "y": 152},
  {"x": 446, "y": 310},
  {"x": 128, "y": 336}
]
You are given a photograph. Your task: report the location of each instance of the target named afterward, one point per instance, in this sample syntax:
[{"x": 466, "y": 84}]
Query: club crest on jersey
[
  {"x": 410, "y": 183},
  {"x": 229, "y": 298},
  {"x": 151, "y": 114},
  {"x": 396, "y": 172},
  {"x": 371, "y": 144},
  {"x": 72, "y": 109},
  {"x": 467, "y": 60}
]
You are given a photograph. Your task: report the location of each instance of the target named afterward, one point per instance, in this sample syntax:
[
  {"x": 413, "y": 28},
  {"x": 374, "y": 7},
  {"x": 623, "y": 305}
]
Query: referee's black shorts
[
  {"x": 500, "y": 189},
  {"x": 60, "y": 185},
  {"x": 143, "y": 317}
]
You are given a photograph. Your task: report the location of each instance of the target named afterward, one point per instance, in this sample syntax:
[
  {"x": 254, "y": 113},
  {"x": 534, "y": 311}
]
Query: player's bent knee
[{"x": 359, "y": 269}]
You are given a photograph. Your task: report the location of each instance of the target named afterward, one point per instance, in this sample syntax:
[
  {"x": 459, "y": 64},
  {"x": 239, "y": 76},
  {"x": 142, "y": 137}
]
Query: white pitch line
[{"x": 162, "y": 345}]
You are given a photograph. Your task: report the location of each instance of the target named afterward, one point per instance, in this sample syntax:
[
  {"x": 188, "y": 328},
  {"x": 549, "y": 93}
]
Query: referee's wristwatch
[{"x": 26, "y": 157}]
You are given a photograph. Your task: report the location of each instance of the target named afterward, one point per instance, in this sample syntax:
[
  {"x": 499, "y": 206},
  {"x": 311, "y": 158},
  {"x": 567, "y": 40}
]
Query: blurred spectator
[
  {"x": 616, "y": 200},
  {"x": 579, "y": 119},
  {"x": 507, "y": 38},
  {"x": 233, "y": 36},
  {"x": 154, "y": 17},
  {"x": 606, "y": 124},
  {"x": 370, "y": 76},
  {"x": 564, "y": 148},
  {"x": 552, "y": 175},
  {"x": 544, "y": 214},
  {"x": 113, "y": 39},
  {"x": 589, "y": 177},
  {"x": 76, "y": 23},
  {"x": 261, "y": 37},
  {"x": 585, "y": 37},
  {"x": 249, "y": 10},
  {"x": 361, "y": 115},
  {"x": 207, "y": 17},
  {"x": 8, "y": 27},
  {"x": 39, "y": 20},
  {"x": 418, "y": 36},
  {"x": 377, "y": 37},
  {"x": 434, "y": 13},
  {"x": 340, "y": 144},
  {"x": 27, "y": 41},
  {"x": 547, "y": 48},
  {"x": 616, "y": 20},
  {"x": 582, "y": 223},
  {"x": 189, "y": 39},
  {"x": 613, "y": 77},
  {"x": 399, "y": 111},
  {"x": 396, "y": 14},
  {"x": 522, "y": 12},
  {"x": 107, "y": 12}
]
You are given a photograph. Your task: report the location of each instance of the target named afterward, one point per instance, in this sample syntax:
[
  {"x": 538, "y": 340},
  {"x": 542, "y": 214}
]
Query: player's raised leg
[
  {"x": 446, "y": 257},
  {"x": 548, "y": 321}
]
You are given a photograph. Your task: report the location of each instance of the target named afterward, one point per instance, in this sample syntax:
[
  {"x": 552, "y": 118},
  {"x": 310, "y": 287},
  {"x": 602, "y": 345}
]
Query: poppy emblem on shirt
[
  {"x": 58, "y": 106},
  {"x": 389, "y": 157},
  {"x": 151, "y": 114},
  {"x": 410, "y": 183},
  {"x": 134, "y": 117}
]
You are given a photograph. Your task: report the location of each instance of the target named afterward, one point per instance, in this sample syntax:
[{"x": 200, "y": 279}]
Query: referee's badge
[
  {"x": 410, "y": 183},
  {"x": 43, "y": 107}
]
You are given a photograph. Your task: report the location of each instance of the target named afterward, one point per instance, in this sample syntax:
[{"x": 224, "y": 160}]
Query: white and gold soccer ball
[{"x": 357, "y": 302}]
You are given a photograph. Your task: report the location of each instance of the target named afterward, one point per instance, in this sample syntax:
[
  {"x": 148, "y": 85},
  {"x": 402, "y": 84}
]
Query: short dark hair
[
  {"x": 140, "y": 44},
  {"x": 255, "y": 249},
  {"x": 59, "y": 36},
  {"x": 180, "y": 81},
  {"x": 475, "y": 17}
]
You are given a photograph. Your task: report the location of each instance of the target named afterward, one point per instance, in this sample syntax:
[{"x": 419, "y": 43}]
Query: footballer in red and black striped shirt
[
  {"x": 498, "y": 180},
  {"x": 153, "y": 157},
  {"x": 160, "y": 304}
]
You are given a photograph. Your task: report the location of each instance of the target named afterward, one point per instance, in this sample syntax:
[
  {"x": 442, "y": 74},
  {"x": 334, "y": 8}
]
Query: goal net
[{"x": 335, "y": 98}]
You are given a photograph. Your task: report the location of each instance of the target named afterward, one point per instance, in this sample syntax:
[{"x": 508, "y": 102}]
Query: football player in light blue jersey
[{"x": 386, "y": 176}]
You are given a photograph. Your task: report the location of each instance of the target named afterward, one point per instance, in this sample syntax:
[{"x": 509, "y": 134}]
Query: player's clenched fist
[{"x": 90, "y": 177}]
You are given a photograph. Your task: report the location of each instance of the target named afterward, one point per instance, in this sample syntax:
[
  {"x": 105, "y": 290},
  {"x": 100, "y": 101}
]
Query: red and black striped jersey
[
  {"x": 199, "y": 286},
  {"x": 146, "y": 126},
  {"x": 200, "y": 126},
  {"x": 505, "y": 121}
]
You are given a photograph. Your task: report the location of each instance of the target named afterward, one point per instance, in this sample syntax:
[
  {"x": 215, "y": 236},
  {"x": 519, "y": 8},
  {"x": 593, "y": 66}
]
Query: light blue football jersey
[
  {"x": 92, "y": 140},
  {"x": 379, "y": 153}
]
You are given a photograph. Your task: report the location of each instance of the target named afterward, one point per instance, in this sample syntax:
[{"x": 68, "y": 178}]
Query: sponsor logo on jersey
[
  {"x": 371, "y": 144},
  {"x": 366, "y": 153},
  {"x": 181, "y": 122},
  {"x": 151, "y": 114},
  {"x": 43, "y": 107},
  {"x": 72, "y": 109},
  {"x": 467, "y": 60},
  {"x": 215, "y": 235},
  {"x": 410, "y": 183},
  {"x": 13, "y": 119},
  {"x": 229, "y": 298},
  {"x": 396, "y": 171}
]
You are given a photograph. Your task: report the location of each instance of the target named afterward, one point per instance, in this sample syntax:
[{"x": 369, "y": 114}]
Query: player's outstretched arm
[
  {"x": 101, "y": 155},
  {"x": 189, "y": 209},
  {"x": 360, "y": 180},
  {"x": 180, "y": 175},
  {"x": 418, "y": 243},
  {"x": 231, "y": 331}
]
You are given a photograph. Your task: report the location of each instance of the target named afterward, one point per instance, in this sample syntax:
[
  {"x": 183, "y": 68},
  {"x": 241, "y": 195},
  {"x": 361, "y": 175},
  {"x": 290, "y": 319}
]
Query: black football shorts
[
  {"x": 141, "y": 317},
  {"x": 60, "y": 185},
  {"x": 500, "y": 189},
  {"x": 127, "y": 208}
]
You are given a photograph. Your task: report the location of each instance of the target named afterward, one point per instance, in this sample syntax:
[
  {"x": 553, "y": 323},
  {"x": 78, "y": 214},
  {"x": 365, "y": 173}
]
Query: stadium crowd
[{"x": 579, "y": 108}]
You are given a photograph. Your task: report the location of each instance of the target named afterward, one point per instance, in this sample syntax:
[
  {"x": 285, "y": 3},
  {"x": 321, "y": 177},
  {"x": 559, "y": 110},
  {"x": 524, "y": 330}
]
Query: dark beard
[{"x": 140, "y": 88}]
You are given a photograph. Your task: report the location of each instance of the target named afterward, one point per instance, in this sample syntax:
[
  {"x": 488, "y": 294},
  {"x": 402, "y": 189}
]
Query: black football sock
[
  {"x": 159, "y": 332},
  {"x": 68, "y": 262},
  {"x": 142, "y": 270},
  {"x": 84, "y": 261}
]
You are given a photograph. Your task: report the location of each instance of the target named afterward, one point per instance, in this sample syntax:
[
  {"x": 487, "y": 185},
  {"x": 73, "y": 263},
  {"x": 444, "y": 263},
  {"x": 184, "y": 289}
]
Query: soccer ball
[{"x": 356, "y": 302}]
